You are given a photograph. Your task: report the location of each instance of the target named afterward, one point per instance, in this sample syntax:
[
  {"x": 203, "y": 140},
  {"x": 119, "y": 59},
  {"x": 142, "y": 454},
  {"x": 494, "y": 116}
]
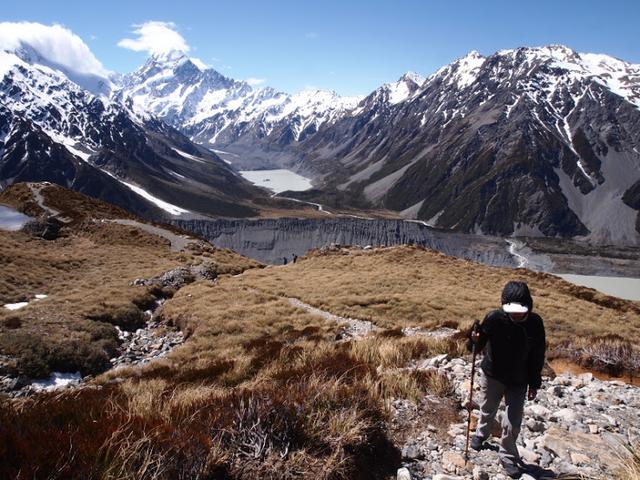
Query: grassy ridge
[
  {"x": 411, "y": 286},
  {"x": 87, "y": 275},
  {"x": 261, "y": 388}
]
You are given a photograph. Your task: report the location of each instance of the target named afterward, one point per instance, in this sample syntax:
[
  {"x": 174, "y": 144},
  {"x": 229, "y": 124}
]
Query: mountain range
[
  {"x": 531, "y": 141},
  {"x": 51, "y": 128}
]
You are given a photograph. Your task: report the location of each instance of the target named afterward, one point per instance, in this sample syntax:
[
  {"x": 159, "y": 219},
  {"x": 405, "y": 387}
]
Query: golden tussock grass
[
  {"x": 411, "y": 286},
  {"x": 613, "y": 355},
  {"x": 630, "y": 462},
  {"x": 86, "y": 275},
  {"x": 83, "y": 278},
  {"x": 260, "y": 389}
]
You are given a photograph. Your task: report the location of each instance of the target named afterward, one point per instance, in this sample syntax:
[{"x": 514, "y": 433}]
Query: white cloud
[
  {"x": 58, "y": 46},
  {"x": 156, "y": 38},
  {"x": 255, "y": 81}
]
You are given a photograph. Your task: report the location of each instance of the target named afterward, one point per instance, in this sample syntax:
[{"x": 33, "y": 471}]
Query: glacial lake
[
  {"x": 11, "y": 219},
  {"x": 621, "y": 287},
  {"x": 278, "y": 180}
]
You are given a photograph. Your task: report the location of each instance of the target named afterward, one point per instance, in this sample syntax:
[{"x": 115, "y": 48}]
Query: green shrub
[{"x": 37, "y": 357}]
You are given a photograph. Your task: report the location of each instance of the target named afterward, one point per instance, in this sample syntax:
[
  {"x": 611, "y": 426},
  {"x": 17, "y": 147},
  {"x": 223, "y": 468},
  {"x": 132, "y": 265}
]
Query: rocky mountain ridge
[
  {"x": 532, "y": 141},
  {"x": 216, "y": 111}
]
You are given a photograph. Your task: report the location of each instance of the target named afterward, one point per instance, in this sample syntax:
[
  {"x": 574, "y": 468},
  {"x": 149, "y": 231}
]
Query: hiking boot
[
  {"x": 476, "y": 443},
  {"x": 513, "y": 471}
]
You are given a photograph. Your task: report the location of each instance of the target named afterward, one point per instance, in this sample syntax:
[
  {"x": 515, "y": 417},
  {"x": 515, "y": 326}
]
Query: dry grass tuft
[
  {"x": 609, "y": 354},
  {"x": 397, "y": 352},
  {"x": 630, "y": 464},
  {"x": 412, "y": 385}
]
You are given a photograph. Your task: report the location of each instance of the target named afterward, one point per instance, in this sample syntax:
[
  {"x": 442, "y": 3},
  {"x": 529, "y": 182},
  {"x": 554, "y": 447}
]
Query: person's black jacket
[{"x": 513, "y": 352}]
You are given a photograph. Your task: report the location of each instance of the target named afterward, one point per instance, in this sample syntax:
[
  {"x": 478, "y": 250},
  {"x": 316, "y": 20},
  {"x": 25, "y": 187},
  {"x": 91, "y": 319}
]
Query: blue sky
[{"x": 348, "y": 46}]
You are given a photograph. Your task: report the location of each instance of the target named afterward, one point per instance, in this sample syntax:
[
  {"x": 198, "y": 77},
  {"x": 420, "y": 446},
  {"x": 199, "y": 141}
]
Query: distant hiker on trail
[
  {"x": 513, "y": 340},
  {"x": 295, "y": 258},
  {"x": 284, "y": 260}
]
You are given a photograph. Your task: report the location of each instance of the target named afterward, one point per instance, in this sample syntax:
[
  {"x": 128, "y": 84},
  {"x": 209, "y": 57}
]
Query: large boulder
[{"x": 46, "y": 227}]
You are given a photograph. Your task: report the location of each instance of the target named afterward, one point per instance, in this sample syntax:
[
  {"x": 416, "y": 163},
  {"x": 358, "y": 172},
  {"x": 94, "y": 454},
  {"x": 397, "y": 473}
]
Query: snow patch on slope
[{"x": 166, "y": 206}]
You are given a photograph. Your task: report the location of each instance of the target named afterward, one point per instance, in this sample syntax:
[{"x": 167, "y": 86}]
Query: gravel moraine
[{"x": 577, "y": 427}]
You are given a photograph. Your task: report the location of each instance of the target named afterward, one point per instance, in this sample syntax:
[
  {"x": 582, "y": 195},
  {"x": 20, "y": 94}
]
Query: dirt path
[
  {"x": 440, "y": 332},
  {"x": 317, "y": 205},
  {"x": 178, "y": 242},
  {"x": 354, "y": 328},
  {"x": 36, "y": 190}
]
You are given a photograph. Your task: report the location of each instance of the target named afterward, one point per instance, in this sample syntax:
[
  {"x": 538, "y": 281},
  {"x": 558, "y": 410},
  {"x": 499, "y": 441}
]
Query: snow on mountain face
[
  {"x": 175, "y": 88},
  {"x": 404, "y": 88},
  {"x": 51, "y": 129},
  {"x": 462, "y": 72},
  {"x": 217, "y": 110},
  {"x": 389, "y": 95},
  {"x": 64, "y": 110},
  {"x": 415, "y": 77}
]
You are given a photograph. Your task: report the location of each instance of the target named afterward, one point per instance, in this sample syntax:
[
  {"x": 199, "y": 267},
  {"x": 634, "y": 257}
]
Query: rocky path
[
  {"x": 576, "y": 428},
  {"x": 146, "y": 344},
  {"x": 355, "y": 329}
]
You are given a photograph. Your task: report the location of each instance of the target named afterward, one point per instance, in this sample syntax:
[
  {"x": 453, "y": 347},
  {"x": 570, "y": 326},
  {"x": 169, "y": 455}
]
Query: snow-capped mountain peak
[
  {"x": 463, "y": 72},
  {"x": 215, "y": 109},
  {"x": 174, "y": 59},
  {"x": 170, "y": 56},
  {"x": 413, "y": 77},
  {"x": 395, "y": 92},
  {"x": 566, "y": 67}
]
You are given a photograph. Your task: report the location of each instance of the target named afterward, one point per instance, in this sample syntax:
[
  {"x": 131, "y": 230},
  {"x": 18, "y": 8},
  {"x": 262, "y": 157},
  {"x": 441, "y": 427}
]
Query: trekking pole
[{"x": 474, "y": 329}]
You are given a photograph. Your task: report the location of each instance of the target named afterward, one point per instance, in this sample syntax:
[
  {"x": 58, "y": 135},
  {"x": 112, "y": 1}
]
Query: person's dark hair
[{"x": 517, "y": 292}]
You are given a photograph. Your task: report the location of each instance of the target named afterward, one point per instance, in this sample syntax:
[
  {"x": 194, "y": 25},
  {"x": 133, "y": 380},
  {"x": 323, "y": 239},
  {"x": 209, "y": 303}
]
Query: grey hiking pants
[{"x": 514, "y": 397}]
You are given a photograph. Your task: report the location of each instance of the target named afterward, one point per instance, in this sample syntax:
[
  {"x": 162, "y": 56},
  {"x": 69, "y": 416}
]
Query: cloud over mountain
[
  {"x": 52, "y": 44},
  {"x": 156, "y": 38}
]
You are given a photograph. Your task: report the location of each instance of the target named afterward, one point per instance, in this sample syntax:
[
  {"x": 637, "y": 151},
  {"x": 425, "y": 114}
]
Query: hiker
[
  {"x": 295, "y": 258},
  {"x": 284, "y": 260},
  {"x": 513, "y": 340}
]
